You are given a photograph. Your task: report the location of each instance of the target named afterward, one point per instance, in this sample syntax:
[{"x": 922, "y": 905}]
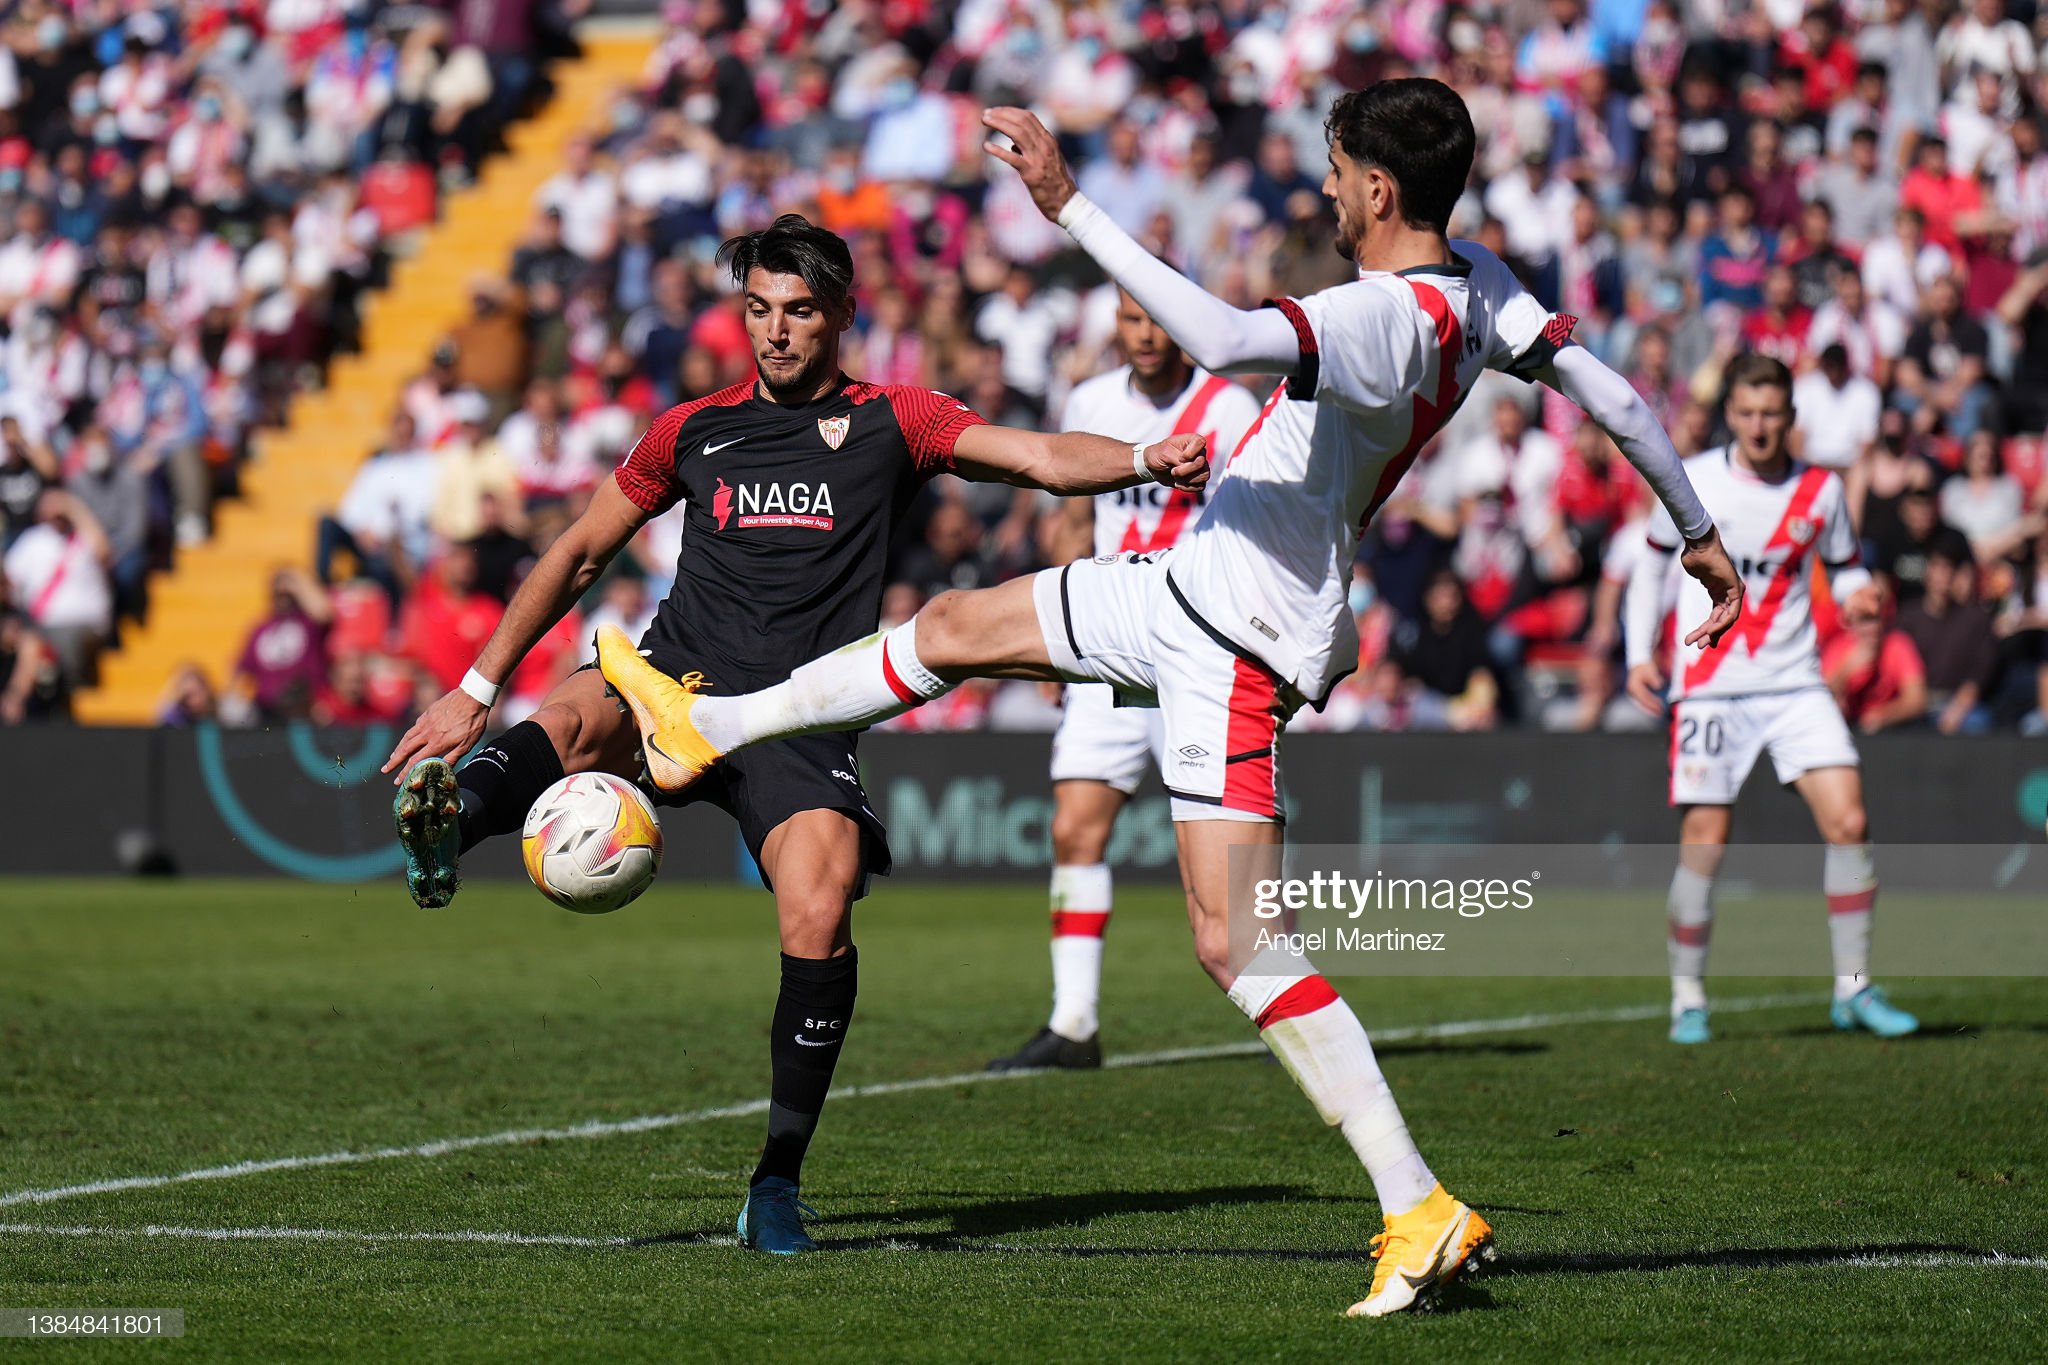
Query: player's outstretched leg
[
  {"x": 443, "y": 812},
  {"x": 987, "y": 633},
  {"x": 425, "y": 811}
]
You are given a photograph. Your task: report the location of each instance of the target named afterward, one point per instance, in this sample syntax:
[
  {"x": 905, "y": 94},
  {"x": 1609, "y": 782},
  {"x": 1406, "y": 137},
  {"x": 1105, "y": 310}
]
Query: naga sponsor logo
[{"x": 773, "y": 504}]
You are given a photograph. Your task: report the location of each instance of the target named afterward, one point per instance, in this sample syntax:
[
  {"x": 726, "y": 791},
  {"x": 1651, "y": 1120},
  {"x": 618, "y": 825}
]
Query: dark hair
[
  {"x": 1419, "y": 132},
  {"x": 1750, "y": 369},
  {"x": 793, "y": 245}
]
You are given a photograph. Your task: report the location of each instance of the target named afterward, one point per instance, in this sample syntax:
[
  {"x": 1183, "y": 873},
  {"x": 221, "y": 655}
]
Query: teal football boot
[
  {"x": 1868, "y": 1009},
  {"x": 426, "y": 811},
  {"x": 1691, "y": 1027},
  {"x": 772, "y": 1219}
]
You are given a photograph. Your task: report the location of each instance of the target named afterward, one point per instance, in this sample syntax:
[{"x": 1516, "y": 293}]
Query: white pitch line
[
  {"x": 597, "y": 1128},
  {"x": 1929, "y": 1261}
]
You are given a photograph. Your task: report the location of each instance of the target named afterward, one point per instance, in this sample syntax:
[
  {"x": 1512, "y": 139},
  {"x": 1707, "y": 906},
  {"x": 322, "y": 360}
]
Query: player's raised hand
[
  {"x": 1181, "y": 460},
  {"x": 1646, "y": 687},
  {"x": 1705, "y": 560},
  {"x": 1035, "y": 154},
  {"x": 448, "y": 729}
]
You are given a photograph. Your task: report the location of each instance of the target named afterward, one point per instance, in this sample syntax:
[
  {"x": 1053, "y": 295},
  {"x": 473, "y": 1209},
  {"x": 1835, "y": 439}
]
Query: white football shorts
[
  {"x": 1715, "y": 741},
  {"x": 1116, "y": 619}
]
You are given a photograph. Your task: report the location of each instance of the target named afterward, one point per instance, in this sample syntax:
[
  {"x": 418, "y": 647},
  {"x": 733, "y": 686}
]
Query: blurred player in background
[
  {"x": 795, "y": 484},
  {"x": 1100, "y": 750},
  {"x": 1761, "y": 691},
  {"x": 1248, "y": 618}
]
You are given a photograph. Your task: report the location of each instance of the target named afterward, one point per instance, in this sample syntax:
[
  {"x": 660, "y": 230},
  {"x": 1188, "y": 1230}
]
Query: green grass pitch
[{"x": 1786, "y": 1193}]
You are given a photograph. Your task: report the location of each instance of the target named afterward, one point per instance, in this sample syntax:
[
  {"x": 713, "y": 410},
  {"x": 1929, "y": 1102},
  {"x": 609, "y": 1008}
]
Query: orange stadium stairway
[{"x": 204, "y": 607}]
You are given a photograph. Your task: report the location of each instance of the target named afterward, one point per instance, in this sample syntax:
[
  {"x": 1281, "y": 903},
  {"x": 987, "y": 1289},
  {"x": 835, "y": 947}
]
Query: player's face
[
  {"x": 795, "y": 337},
  {"x": 1759, "y": 415},
  {"x": 1145, "y": 344},
  {"x": 1350, "y": 188}
]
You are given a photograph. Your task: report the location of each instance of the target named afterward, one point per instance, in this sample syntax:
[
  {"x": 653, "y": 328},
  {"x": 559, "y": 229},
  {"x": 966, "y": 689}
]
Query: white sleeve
[
  {"x": 1216, "y": 336},
  {"x": 1840, "y": 552},
  {"x": 1642, "y": 608},
  {"x": 1620, "y": 411}
]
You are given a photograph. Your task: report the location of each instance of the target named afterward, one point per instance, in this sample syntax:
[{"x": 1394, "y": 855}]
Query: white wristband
[
  {"x": 479, "y": 689},
  {"x": 1144, "y": 471},
  {"x": 1077, "y": 204}
]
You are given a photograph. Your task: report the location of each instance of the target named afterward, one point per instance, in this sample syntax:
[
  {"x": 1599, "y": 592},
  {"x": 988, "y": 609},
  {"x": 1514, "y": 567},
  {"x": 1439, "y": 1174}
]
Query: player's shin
[
  {"x": 503, "y": 781},
  {"x": 1323, "y": 1046},
  {"x": 1849, "y": 876},
  {"x": 812, "y": 1014},
  {"x": 861, "y": 684},
  {"x": 1080, "y": 915},
  {"x": 1691, "y": 908}
]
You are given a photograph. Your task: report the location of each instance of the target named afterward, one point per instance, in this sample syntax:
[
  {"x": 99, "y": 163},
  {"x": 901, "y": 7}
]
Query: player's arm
[
  {"x": 1842, "y": 559},
  {"x": 1643, "y": 614},
  {"x": 1215, "y": 335},
  {"x": 1621, "y": 412},
  {"x": 1077, "y": 461},
  {"x": 1071, "y": 535},
  {"x": 452, "y": 726}
]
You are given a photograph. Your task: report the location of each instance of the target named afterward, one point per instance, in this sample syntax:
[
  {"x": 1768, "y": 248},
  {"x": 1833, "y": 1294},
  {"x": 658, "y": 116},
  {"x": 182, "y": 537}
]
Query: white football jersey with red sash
[
  {"x": 1773, "y": 532},
  {"x": 1152, "y": 516},
  {"x": 1385, "y": 361}
]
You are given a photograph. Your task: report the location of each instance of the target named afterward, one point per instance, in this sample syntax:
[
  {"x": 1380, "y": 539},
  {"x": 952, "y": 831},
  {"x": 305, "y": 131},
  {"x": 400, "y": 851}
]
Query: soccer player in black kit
[{"x": 795, "y": 485}]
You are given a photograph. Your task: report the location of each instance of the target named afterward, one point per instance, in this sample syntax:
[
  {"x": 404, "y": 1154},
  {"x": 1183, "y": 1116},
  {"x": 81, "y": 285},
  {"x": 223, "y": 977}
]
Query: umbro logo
[{"x": 1193, "y": 751}]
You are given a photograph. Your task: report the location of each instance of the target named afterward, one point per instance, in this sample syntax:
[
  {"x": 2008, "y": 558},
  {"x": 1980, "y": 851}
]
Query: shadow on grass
[{"x": 1931, "y": 1031}]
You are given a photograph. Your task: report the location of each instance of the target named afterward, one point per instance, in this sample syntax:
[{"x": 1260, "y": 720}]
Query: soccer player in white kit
[
  {"x": 1247, "y": 619},
  {"x": 1100, "y": 751},
  {"x": 1761, "y": 691}
]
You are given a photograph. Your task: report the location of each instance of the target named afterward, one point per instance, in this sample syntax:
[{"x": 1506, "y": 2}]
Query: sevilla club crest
[{"x": 833, "y": 429}]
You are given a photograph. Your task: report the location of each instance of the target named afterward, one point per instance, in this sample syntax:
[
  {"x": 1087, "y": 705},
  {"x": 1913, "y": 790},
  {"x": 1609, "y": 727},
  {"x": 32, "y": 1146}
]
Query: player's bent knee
[{"x": 1851, "y": 826}]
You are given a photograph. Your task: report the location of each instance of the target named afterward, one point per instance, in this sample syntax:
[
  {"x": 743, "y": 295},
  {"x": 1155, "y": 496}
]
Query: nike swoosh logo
[
  {"x": 713, "y": 450},
  {"x": 805, "y": 1042}
]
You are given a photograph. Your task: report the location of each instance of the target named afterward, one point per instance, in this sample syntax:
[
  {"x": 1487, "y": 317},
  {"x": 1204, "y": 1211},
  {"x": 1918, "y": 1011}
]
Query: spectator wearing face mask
[
  {"x": 117, "y": 495},
  {"x": 1954, "y": 635}
]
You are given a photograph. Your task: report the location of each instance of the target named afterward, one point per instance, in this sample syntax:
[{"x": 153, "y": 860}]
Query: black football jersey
[{"x": 790, "y": 514}]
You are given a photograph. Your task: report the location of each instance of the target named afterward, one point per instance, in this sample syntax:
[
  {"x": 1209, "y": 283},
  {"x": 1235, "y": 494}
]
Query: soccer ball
[{"x": 591, "y": 843}]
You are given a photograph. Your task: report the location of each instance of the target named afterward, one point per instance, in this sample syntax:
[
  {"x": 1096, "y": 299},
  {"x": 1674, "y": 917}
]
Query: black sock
[
  {"x": 503, "y": 781},
  {"x": 811, "y": 1017}
]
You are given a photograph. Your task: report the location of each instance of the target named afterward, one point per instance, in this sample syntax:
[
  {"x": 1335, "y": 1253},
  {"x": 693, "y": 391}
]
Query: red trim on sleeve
[
  {"x": 647, "y": 476},
  {"x": 931, "y": 423},
  {"x": 1301, "y": 385}
]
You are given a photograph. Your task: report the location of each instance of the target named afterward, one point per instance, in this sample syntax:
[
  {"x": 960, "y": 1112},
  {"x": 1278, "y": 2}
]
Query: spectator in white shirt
[
  {"x": 1534, "y": 207},
  {"x": 1898, "y": 266},
  {"x": 382, "y": 520},
  {"x": 1836, "y": 411},
  {"x": 588, "y": 200},
  {"x": 1871, "y": 331},
  {"x": 1023, "y": 324},
  {"x": 58, "y": 569}
]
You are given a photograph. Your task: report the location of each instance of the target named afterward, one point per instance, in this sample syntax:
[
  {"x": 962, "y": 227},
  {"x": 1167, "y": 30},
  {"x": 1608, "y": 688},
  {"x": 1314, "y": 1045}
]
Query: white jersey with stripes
[
  {"x": 1152, "y": 516},
  {"x": 1384, "y": 363}
]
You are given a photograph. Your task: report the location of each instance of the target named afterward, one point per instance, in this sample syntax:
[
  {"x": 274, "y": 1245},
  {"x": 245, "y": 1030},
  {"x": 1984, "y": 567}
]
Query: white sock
[
  {"x": 1691, "y": 907},
  {"x": 1849, "y": 876},
  {"x": 867, "y": 681},
  {"x": 1323, "y": 1046},
  {"x": 1081, "y": 904}
]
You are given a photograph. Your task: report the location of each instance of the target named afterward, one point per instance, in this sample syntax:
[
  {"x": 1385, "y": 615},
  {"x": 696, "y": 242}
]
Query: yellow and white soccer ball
[{"x": 591, "y": 843}]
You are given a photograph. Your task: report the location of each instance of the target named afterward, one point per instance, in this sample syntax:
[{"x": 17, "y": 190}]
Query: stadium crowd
[{"x": 1860, "y": 190}]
